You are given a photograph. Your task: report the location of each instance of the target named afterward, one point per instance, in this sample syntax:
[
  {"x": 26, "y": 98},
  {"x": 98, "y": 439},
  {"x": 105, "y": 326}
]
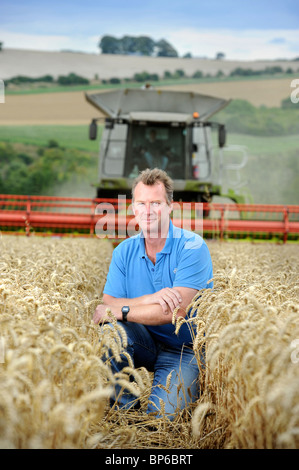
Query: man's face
[{"x": 152, "y": 210}]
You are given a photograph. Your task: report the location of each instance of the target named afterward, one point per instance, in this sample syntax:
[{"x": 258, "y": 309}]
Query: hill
[
  {"x": 70, "y": 107},
  {"x": 64, "y": 116},
  {"x": 36, "y": 63}
]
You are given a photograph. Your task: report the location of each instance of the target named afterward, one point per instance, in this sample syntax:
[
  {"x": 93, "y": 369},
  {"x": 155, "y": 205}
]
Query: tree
[
  {"x": 197, "y": 74},
  {"x": 110, "y": 45},
  {"x": 127, "y": 45},
  {"x": 142, "y": 45},
  {"x": 164, "y": 49},
  {"x": 145, "y": 45},
  {"x": 1, "y": 45},
  {"x": 179, "y": 73},
  {"x": 145, "y": 76},
  {"x": 220, "y": 56},
  {"x": 72, "y": 79},
  {"x": 167, "y": 74},
  {"x": 114, "y": 81}
]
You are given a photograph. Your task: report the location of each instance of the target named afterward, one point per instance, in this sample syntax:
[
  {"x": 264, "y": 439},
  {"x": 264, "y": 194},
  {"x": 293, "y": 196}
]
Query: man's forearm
[
  {"x": 151, "y": 309},
  {"x": 120, "y": 302},
  {"x": 151, "y": 315},
  {"x": 169, "y": 298}
]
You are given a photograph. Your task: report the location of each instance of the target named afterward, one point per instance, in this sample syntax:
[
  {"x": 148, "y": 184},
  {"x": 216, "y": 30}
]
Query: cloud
[
  {"x": 49, "y": 42},
  {"x": 237, "y": 45},
  {"x": 277, "y": 41}
]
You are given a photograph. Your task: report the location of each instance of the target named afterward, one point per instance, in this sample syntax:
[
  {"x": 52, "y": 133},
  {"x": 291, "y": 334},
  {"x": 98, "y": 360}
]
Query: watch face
[{"x": 125, "y": 310}]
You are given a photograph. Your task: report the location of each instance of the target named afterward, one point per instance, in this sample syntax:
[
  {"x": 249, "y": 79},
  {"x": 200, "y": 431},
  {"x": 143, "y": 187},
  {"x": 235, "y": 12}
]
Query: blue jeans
[{"x": 161, "y": 359}]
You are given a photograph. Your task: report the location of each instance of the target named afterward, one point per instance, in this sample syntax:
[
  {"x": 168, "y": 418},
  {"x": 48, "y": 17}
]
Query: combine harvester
[
  {"x": 167, "y": 129},
  {"x": 147, "y": 128}
]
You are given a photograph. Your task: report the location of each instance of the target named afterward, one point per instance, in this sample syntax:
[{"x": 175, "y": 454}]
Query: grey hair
[{"x": 151, "y": 177}]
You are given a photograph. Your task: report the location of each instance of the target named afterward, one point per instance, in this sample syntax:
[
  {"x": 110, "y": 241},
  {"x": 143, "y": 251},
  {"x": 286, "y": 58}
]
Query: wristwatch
[{"x": 125, "y": 310}]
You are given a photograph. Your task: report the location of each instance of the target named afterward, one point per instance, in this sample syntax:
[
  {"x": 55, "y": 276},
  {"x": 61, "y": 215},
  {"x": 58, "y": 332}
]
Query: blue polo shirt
[{"x": 184, "y": 261}]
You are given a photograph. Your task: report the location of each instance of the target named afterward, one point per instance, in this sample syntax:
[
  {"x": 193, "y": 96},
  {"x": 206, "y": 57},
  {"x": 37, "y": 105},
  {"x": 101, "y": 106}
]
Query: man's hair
[{"x": 151, "y": 177}]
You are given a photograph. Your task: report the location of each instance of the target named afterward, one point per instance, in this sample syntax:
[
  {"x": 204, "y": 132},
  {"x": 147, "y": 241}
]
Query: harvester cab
[{"x": 158, "y": 128}]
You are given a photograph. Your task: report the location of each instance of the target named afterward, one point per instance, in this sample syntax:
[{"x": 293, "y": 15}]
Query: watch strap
[{"x": 125, "y": 310}]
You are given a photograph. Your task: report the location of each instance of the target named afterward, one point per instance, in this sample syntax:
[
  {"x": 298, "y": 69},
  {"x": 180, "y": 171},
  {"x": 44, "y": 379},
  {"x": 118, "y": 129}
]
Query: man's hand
[
  {"x": 169, "y": 298},
  {"x": 100, "y": 314}
]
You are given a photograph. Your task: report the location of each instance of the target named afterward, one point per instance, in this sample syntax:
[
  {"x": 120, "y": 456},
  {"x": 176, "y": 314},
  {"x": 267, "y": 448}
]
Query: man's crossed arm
[{"x": 151, "y": 309}]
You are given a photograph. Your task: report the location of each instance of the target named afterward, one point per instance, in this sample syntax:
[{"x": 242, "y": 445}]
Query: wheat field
[
  {"x": 55, "y": 384},
  {"x": 71, "y": 107}
]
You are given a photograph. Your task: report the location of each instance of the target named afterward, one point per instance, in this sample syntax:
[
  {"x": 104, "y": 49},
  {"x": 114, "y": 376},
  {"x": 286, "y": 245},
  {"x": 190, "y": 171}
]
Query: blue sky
[{"x": 258, "y": 29}]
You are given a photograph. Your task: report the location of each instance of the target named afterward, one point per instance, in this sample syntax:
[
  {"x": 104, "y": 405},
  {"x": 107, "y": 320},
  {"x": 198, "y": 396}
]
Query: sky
[{"x": 251, "y": 30}]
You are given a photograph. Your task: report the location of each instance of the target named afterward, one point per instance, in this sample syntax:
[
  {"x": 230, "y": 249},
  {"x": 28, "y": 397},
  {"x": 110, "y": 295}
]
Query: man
[
  {"x": 150, "y": 275},
  {"x": 154, "y": 154}
]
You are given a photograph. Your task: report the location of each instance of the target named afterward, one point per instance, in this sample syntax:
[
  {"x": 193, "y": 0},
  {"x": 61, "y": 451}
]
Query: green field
[
  {"x": 54, "y": 88},
  {"x": 265, "y": 145},
  {"x": 77, "y": 137},
  {"x": 66, "y": 136},
  {"x": 271, "y": 174}
]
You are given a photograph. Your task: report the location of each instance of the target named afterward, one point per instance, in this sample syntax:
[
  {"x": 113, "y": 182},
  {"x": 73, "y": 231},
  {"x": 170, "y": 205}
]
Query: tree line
[
  {"x": 140, "y": 45},
  {"x": 74, "y": 79},
  {"x": 70, "y": 79}
]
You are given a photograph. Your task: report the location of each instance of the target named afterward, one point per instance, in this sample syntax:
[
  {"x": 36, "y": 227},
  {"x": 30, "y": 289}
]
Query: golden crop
[{"x": 55, "y": 384}]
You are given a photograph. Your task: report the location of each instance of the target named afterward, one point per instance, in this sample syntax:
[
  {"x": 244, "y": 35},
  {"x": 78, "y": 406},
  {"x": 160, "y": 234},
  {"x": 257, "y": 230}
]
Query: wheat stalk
[{"x": 55, "y": 380}]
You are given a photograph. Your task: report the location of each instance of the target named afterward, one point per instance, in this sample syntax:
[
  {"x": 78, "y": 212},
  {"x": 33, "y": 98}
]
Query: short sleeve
[
  {"x": 194, "y": 268},
  {"x": 116, "y": 278}
]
